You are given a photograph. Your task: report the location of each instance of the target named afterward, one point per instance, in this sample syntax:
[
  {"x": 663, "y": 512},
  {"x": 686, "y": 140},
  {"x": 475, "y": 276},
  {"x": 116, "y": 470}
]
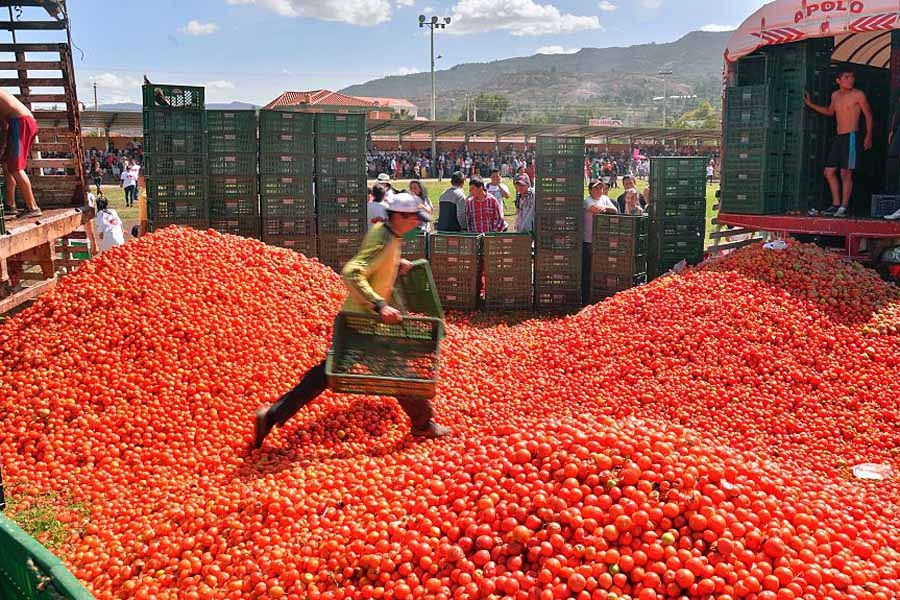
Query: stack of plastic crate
[
  {"x": 286, "y": 174},
  {"x": 620, "y": 248},
  {"x": 341, "y": 193},
  {"x": 508, "y": 271},
  {"x": 415, "y": 248},
  {"x": 559, "y": 222},
  {"x": 175, "y": 156},
  {"x": 456, "y": 265},
  {"x": 678, "y": 211},
  {"x": 232, "y": 182}
]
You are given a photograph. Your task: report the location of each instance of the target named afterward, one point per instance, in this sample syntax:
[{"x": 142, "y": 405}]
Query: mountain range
[{"x": 613, "y": 82}]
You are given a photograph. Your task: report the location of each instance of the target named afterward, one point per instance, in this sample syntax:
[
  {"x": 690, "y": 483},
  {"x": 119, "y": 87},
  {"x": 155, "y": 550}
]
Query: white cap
[
  {"x": 405, "y": 202},
  {"x": 383, "y": 178}
]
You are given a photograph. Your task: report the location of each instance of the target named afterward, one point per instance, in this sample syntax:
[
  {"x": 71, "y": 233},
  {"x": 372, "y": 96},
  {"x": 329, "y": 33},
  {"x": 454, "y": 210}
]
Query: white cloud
[
  {"x": 518, "y": 17},
  {"x": 198, "y": 28},
  {"x": 428, "y": 9},
  {"x": 406, "y": 3},
  {"x": 712, "y": 27},
  {"x": 650, "y": 4},
  {"x": 556, "y": 50},
  {"x": 607, "y": 6},
  {"x": 406, "y": 71},
  {"x": 220, "y": 84},
  {"x": 354, "y": 12}
]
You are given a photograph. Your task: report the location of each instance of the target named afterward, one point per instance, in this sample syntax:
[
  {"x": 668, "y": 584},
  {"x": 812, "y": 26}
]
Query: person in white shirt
[
  {"x": 376, "y": 208},
  {"x": 598, "y": 202},
  {"x": 129, "y": 183},
  {"x": 418, "y": 189},
  {"x": 108, "y": 226},
  {"x": 497, "y": 189}
]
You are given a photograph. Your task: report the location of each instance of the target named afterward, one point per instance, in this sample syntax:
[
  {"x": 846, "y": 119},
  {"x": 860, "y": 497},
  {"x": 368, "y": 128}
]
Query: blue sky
[{"x": 251, "y": 50}]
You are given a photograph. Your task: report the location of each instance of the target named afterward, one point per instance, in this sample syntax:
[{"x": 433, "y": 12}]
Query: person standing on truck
[
  {"x": 846, "y": 105},
  {"x": 370, "y": 278},
  {"x": 19, "y": 128}
]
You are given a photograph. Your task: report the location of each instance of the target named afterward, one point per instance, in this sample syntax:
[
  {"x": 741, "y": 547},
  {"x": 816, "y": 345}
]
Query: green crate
[
  {"x": 234, "y": 206},
  {"x": 558, "y": 241},
  {"x": 688, "y": 187},
  {"x": 340, "y": 166},
  {"x": 340, "y": 144},
  {"x": 547, "y": 145},
  {"x": 170, "y": 188},
  {"x": 678, "y": 208},
  {"x": 159, "y": 223},
  {"x": 286, "y": 185},
  {"x": 343, "y": 206},
  {"x": 287, "y": 142},
  {"x": 183, "y": 209},
  {"x": 416, "y": 290},
  {"x": 687, "y": 247},
  {"x": 451, "y": 264},
  {"x": 508, "y": 291},
  {"x": 556, "y": 280},
  {"x": 336, "y": 250},
  {"x": 279, "y": 121},
  {"x": 340, "y": 124},
  {"x": 232, "y": 186},
  {"x": 620, "y": 244},
  {"x": 677, "y": 167},
  {"x": 289, "y": 227},
  {"x": 164, "y": 142},
  {"x": 557, "y": 300},
  {"x": 173, "y": 96},
  {"x": 233, "y": 164},
  {"x": 158, "y": 120},
  {"x": 233, "y": 142},
  {"x": 682, "y": 227},
  {"x": 616, "y": 225},
  {"x": 28, "y": 571},
  {"x": 286, "y": 164},
  {"x": 560, "y": 185},
  {"x": 415, "y": 248},
  {"x": 243, "y": 226},
  {"x": 231, "y": 121},
  {"x": 506, "y": 244},
  {"x": 458, "y": 291},
  {"x": 748, "y": 96},
  {"x": 333, "y": 187},
  {"x": 399, "y": 360},
  {"x": 336, "y": 223},
  {"x": 286, "y": 207},
  {"x": 560, "y": 204},
  {"x": 175, "y": 165},
  {"x": 604, "y": 285},
  {"x": 455, "y": 244},
  {"x": 549, "y": 261},
  {"x": 558, "y": 223},
  {"x": 569, "y": 166},
  {"x": 626, "y": 265},
  {"x": 307, "y": 246}
]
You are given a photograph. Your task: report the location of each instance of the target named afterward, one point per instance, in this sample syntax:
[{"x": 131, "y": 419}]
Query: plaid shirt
[{"x": 484, "y": 216}]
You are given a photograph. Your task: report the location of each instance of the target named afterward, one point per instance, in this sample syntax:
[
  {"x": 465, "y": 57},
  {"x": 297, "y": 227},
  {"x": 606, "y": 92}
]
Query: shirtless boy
[
  {"x": 18, "y": 129},
  {"x": 846, "y": 105}
]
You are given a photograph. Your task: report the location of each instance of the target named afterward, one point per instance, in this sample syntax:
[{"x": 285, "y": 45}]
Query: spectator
[
  {"x": 483, "y": 212},
  {"x": 529, "y": 170},
  {"x": 632, "y": 203},
  {"x": 498, "y": 189},
  {"x": 19, "y": 130},
  {"x": 524, "y": 204},
  {"x": 452, "y": 206},
  {"x": 385, "y": 181},
  {"x": 628, "y": 183},
  {"x": 421, "y": 192},
  {"x": 129, "y": 183},
  {"x": 376, "y": 209},
  {"x": 97, "y": 174},
  {"x": 108, "y": 226},
  {"x": 596, "y": 203},
  {"x": 710, "y": 172}
]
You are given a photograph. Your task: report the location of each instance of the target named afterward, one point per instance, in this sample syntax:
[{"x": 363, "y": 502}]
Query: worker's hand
[
  {"x": 405, "y": 266},
  {"x": 807, "y": 99},
  {"x": 867, "y": 144},
  {"x": 390, "y": 315}
]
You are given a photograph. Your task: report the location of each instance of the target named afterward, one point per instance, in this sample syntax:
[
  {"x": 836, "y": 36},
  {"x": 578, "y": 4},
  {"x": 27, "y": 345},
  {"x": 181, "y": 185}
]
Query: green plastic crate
[
  {"x": 508, "y": 291},
  {"x": 231, "y": 142},
  {"x": 234, "y": 206},
  {"x": 287, "y": 142},
  {"x": 308, "y": 246},
  {"x": 455, "y": 244},
  {"x": 416, "y": 291},
  {"x": 558, "y": 241},
  {"x": 560, "y": 204},
  {"x": 677, "y": 167},
  {"x": 340, "y": 144},
  {"x": 343, "y": 124},
  {"x": 243, "y": 163},
  {"x": 415, "y": 248},
  {"x": 335, "y": 223},
  {"x": 560, "y": 165},
  {"x": 173, "y": 96},
  {"x": 286, "y": 207},
  {"x": 604, "y": 285},
  {"x": 399, "y": 360},
  {"x": 617, "y": 225},
  {"x": 286, "y": 164},
  {"x": 551, "y": 223},
  {"x": 231, "y": 121},
  {"x": 232, "y": 186},
  {"x": 458, "y": 291},
  {"x": 243, "y": 226},
  {"x": 289, "y": 227},
  {"x": 28, "y": 571},
  {"x": 174, "y": 143},
  {"x": 185, "y": 209},
  {"x": 175, "y": 165},
  {"x": 168, "y": 119},
  {"x": 341, "y": 166},
  {"x": 560, "y": 185},
  {"x": 548, "y": 145},
  {"x": 549, "y": 261},
  {"x": 557, "y": 301},
  {"x": 336, "y": 250},
  {"x": 279, "y": 121},
  {"x": 329, "y": 187},
  {"x": 160, "y": 223},
  {"x": 166, "y": 188}
]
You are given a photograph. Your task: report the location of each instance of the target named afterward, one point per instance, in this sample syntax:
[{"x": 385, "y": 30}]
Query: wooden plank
[
  {"x": 52, "y": 147},
  {"x": 29, "y": 293},
  {"x": 724, "y": 233},
  {"x": 34, "y": 65},
  {"x": 42, "y": 230},
  {"x": 60, "y": 132},
  {"x": 51, "y": 163},
  {"x": 33, "y": 98},
  {"x": 32, "y": 25},
  {"x": 30, "y": 47},
  {"x": 50, "y": 115},
  {"x": 38, "y": 82},
  {"x": 735, "y": 245}
]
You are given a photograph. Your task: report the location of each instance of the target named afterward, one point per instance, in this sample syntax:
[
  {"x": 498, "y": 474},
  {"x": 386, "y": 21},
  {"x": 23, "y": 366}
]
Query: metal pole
[
  {"x": 433, "y": 109},
  {"x": 95, "y": 96}
]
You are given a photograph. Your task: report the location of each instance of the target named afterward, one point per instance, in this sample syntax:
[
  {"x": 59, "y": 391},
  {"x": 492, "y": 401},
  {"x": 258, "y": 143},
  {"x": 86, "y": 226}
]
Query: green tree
[
  {"x": 703, "y": 117},
  {"x": 485, "y": 107}
]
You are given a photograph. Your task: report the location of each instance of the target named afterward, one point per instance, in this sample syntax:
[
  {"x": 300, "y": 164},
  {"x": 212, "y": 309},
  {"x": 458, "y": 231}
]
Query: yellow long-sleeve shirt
[{"x": 371, "y": 274}]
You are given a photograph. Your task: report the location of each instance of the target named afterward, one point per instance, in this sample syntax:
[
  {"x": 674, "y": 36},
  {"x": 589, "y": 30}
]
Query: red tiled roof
[
  {"x": 389, "y": 101},
  {"x": 318, "y": 97}
]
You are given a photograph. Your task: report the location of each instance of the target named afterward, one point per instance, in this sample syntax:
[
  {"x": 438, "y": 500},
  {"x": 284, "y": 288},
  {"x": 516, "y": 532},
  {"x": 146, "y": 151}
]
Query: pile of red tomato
[{"x": 693, "y": 438}]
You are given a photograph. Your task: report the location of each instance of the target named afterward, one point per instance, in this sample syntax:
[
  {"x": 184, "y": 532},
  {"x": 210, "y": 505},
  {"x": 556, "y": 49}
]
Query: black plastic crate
[
  {"x": 234, "y": 206},
  {"x": 173, "y": 96},
  {"x": 231, "y": 142},
  {"x": 681, "y": 246},
  {"x": 182, "y": 188},
  {"x": 560, "y": 185},
  {"x": 232, "y": 186},
  {"x": 157, "y": 223},
  {"x": 286, "y": 164},
  {"x": 884, "y": 204},
  {"x": 287, "y": 142},
  {"x": 340, "y": 166},
  {"x": 248, "y": 227},
  {"x": 455, "y": 244},
  {"x": 346, "y": 224},
  {"x": 625, "y": 265},
  {"x": 174, "y": 142},
  {"x": 682, "y": 228},
  {"x": 752, "y": 202},
  {"x": 158, "y": 120},
  {"x": 343, "y": 124},
  {"x": 299, "y": 227},
  {"x": 557, "y": 300},
  {"x": 340, "y": 144},
  {"x": 332, "y": 187},
  {"x": 506, "y": 265},
  {"x": 457, "y": 291},
  {"x": 182, "y": 209},
  {"x": 456, "y": 265},
  {"x": 232, "y": 164},
  {"x": 280, "y": 121},
  {"x": 556, "y": 280},
  {"x": 747, "y": 96},
  {"x": 286, "y": 185},
  {"x": 560, "y": 204},
  {"x": 305, "y": 245},
  {"x": 558, "y": 241},
  {"x": 507, "y": 244},
  {"x": 508, "y": 291},
  {"x": 336, "y": 250},
  {"x": 558, "y": 223},
  {"x": 287, "y": 207},
  {"x": 342, "y": 206},
  {"x": 175, "y": 165},
  {"x": 547, "y": 145},
  {"x": 231, "y": 121},
  {"x": 549, "y": 262}
]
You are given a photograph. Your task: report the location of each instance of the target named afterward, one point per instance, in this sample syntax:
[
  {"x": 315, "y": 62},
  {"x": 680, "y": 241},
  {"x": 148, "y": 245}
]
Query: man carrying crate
[{"x": 370, "y": 277}]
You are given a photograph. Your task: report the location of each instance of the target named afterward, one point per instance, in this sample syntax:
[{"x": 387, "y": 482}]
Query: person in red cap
[{"x": 18, "y": 128}]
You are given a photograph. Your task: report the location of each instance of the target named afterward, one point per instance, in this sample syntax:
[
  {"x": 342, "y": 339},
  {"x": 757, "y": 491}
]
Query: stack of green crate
[
  {"x": 341, "y": 192},
  {"x": 175, "y": 156},
  {"x": 456, "y": 265},
  {"x": 677, "y": 211},
  {"x": 232, "y": 182},
  {"x": 619, "y": 254},
  {"x": 286, "y": 171},
  {"x": 508, "y": 272},
  {"x": 415, "y": 248},
  {"x": 559, "y": 222}
]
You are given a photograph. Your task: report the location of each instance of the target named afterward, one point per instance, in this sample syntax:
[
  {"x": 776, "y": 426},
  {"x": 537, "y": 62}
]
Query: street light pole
[
  {"x": 665, "y": 96},
  {"x": 432, "y": 24}
]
